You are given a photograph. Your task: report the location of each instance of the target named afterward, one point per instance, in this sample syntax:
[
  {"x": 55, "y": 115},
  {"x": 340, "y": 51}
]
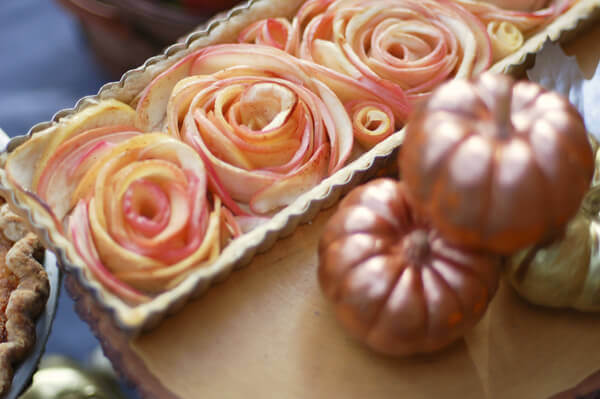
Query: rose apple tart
[{"x": 167, "y": 180}]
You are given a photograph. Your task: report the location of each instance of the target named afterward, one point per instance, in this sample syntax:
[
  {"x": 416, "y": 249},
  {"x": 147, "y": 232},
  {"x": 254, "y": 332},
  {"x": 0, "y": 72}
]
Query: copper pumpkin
[
  {"x": 395, "y": 283},
  {"x": 497, "y": 165}
]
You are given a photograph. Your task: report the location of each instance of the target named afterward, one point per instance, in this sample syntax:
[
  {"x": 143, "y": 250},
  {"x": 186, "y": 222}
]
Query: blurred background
[{"x": 55, "y": 52}]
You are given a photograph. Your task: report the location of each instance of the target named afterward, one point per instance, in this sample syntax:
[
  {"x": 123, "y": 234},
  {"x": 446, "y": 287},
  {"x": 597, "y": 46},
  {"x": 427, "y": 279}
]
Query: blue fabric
[{"x": 45, "y": 67}]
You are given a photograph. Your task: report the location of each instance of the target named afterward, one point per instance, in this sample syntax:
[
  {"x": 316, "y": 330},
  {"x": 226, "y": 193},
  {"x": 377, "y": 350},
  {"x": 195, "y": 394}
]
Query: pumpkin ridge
[
  {"x": 344, "y": 276},
  {"x": 427, "y": 311},
  {"x": 457, "y": 113},
  {"x": 380, "y": 308},
  {"x": 441, "y": 176},
  {"x": 546, "y": 189},
  {"x": 465, "y": 231},
  {"x": 488, "y": 200},
  {"x": 493, "y": 232},
  {"x": 363, "y": 230},
  {"x": 406, "y": 208},
  {"x": 453, "y": 292},
  {"x": 575, "y": 158},
  {"x": 525, "y": 107},
  {"x": 445, "y": 159},
  {"x": 412, "y": 224},
  {"x": 374, "y": 324},
  {"x": 570, "y": 145},
  {"x": 547, "y": 192},
  {"x": 392, "y": 223},
  {"x": 463, "y": 269}
]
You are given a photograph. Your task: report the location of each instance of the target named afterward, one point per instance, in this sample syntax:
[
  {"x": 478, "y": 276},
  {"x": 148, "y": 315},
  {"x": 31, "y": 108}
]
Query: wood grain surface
[{"x": 267, "y": 332}]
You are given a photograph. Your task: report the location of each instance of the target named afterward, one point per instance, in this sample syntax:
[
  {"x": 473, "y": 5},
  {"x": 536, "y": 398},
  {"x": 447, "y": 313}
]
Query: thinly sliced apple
[
  {"x": 106, "y": 113},
  {"x": 72, "y": 159}
]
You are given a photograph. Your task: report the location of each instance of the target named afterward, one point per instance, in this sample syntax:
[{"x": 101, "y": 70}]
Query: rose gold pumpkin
[
  {"x": 495, "y": 164},
  {"x": 395, "y": 283}
]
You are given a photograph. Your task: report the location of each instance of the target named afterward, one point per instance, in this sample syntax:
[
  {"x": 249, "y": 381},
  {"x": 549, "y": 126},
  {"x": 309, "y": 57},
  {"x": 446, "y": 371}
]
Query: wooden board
[{"x": 267, "y": 332}]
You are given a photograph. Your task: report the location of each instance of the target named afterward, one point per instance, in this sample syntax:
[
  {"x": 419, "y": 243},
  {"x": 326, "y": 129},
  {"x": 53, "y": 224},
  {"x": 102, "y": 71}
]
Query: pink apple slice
[
  {"x": 284, "y": 191},
  {"x": 72, "y": 159},
  {"x": 106, "y": 113},
  {"x": 80, "y": 234}
]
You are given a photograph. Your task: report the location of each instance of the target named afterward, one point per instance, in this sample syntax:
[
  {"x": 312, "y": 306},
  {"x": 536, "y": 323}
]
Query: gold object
[
  {"x": 62, "y": 378},
  {"x": 565, "y": 273}
]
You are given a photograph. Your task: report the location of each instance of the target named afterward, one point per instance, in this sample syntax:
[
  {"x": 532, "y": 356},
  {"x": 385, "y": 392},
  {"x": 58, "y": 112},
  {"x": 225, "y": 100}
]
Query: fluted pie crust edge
[{"x": 26, "y": 301}]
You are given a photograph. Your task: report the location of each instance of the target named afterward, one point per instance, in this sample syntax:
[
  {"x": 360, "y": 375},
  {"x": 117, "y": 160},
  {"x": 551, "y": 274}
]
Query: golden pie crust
[{"x": 24, "y": 290}]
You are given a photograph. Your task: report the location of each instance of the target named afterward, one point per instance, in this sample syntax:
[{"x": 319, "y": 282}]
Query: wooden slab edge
[{"x": 115, "y": 344}]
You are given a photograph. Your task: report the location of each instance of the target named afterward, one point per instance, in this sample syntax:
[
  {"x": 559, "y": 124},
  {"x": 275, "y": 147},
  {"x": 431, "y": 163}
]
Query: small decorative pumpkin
[
  {"x": 565, "y": 273},
  {"x": 395, "y": 283},
  {"x": 497, "y": 165}
]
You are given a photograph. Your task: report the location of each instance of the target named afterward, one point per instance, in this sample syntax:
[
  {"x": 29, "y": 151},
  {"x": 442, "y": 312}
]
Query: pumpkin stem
[
  {"x": 497, "y": 92},
  {"x": 416, "y": 246}
]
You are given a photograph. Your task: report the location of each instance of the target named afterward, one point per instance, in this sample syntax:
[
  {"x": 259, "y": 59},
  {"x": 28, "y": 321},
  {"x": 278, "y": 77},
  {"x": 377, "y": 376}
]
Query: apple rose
[
  {"x": 135, "y": 205},
  {"x": 506, "y": 38},
  {"x": 524, "y": 15},
  {"x": 509, "y": 22},
  {"x": 71, "y": 161},
  {"x": 143, "y": 218},
  {"x": 372, "y": 122},
  {"x": 74, "y": 147},
  {"x": 279, "y": 32},
  {"x": 405, "y": 45},
  {"x": 268, "y": 125},
  {"x": 274, "y": 32}
]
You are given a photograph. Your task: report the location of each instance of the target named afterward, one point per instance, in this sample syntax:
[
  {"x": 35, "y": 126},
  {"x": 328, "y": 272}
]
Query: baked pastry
[
  {"x": 136, "y": 206},
  {"x": 184, "y": 94},
  {"x": 24, "y": 290}
]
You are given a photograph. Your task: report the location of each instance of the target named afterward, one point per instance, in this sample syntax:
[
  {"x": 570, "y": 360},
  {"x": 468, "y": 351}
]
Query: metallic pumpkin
[
  {"x": 497, "y": 164},
  {"x": 396, "y": 285},
  {"x": 565, "y": 273}
]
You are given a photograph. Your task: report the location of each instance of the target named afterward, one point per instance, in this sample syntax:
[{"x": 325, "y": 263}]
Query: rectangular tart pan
[{"x": 225, "y": 28}]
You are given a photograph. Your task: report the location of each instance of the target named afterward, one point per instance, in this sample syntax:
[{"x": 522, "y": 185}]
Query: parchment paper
[{"x": 557, "y": 71}]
